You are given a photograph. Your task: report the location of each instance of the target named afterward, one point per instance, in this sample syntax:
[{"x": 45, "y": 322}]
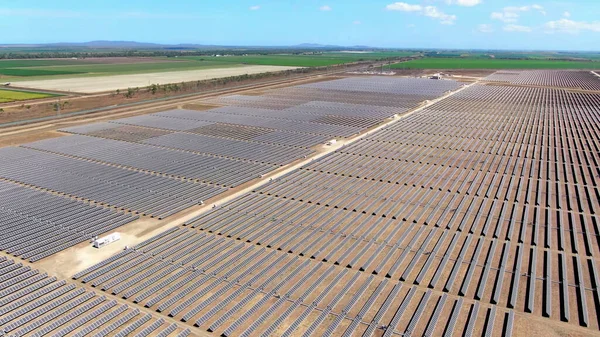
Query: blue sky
[{"x": 486, "y": 24}]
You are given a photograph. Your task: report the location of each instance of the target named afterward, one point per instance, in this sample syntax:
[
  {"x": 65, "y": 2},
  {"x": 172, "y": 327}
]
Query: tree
[{"x": 130, "y": 92}]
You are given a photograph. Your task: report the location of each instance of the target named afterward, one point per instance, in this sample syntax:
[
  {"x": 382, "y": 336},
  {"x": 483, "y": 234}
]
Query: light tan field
[{"x": 110, "y": 83}]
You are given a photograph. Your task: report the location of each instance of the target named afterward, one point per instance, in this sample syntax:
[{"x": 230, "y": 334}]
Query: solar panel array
[
  {"x": 154, "y": 165},
  {"x": 262, "y": 101},
  {"x": 344, "y": 109},
  {"x": 91, "y": 128},
  {"x": 314, "y": 254},
  {"x": 455, "y": 219},
  {"x": 217, "y": 140},
  {"x": 585, "y": 80},
  {"x": 303, "y": 95},
  {"x": 36, "y": 224},
  {"x": 181, "y": 164},
  {"x": 397, "y": 92},
  {"x": 240, "y": 289},
  {"x": 475, "y": 216},
  {"x": 264, "y": 118},
  {"x": 251, "y": 135},
  {"x": 127, "y": 133},
  {"x": 158, "y": 122},
  {"x": 253, "y": 131},
  {"x": 140, "y": 192},
  {"x": 494, "y": 193},
  {"x": 366, "y": 99},
  {"x": 260, "y": 153},
  {"x": 387, "y": 85},
  {"x": 35, "y": 304}
]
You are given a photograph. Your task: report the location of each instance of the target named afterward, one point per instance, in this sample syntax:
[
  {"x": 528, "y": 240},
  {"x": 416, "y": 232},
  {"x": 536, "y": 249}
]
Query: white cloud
[
  {"x": 433, "y": 12},
  {"x": 356, "y": 22},
  {"x": 255, "y": 8},
  {"x": 429, "y": 11},
  {"x": 465, "y": 3},
  {"x": 512, "y": 13},
  {"x": 571, "y": 27},
  {"x": 567, "y": 14},
  {"x": 505, "y": 16},
  {"x": 523, "y": 8},
  {"x": 404, "y": 7},
  {"x": 517, "y": 28},
  {"x": 325, "y": 8},
  {"x": 485, "y": 28}
]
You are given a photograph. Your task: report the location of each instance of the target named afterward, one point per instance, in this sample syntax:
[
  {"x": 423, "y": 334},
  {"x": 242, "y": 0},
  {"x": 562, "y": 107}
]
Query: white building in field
[{"x": 101, "y": 242}]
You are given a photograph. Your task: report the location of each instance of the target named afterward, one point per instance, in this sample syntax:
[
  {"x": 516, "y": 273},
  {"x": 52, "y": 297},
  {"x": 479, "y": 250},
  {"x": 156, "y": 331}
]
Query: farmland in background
[
  {"x": 317, "y": 60},
  {"x": 14, "y": 95},
  {"x": 14, "y": 70},
  {"x": 34, "y": 69},
  {"x": 488, "y": 63}
]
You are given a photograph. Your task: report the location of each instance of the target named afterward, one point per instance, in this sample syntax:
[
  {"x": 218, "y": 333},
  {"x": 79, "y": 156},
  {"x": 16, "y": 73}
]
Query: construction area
[{"x": 342, "y": 206}]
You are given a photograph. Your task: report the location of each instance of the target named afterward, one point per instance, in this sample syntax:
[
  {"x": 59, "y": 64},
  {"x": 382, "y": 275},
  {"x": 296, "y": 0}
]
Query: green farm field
[
  {"x": 478, "y": 63},
  {"x": 28, "y": 70},
  {"x": 317, "y": 60},
  {"x": 14, "y": 95},
  {"x": 53, "y": 69}
]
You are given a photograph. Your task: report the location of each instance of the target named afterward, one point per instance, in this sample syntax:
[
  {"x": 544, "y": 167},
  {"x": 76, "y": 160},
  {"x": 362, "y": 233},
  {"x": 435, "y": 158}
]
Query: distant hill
[
  {"x": 314, "y": 45},
  {"x": 327, "y": 46},
  {"x": 103, "y": 44}
]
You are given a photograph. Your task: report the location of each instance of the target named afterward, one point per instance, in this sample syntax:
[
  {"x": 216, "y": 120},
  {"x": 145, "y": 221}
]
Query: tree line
[{"x": 74, "y": 53}]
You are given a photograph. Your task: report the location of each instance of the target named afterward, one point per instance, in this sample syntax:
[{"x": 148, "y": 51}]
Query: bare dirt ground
[
  {"x": 410, "y": 72},
  {"x": 18, "y": 139},
  {"x": 111, "y": 83}
]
